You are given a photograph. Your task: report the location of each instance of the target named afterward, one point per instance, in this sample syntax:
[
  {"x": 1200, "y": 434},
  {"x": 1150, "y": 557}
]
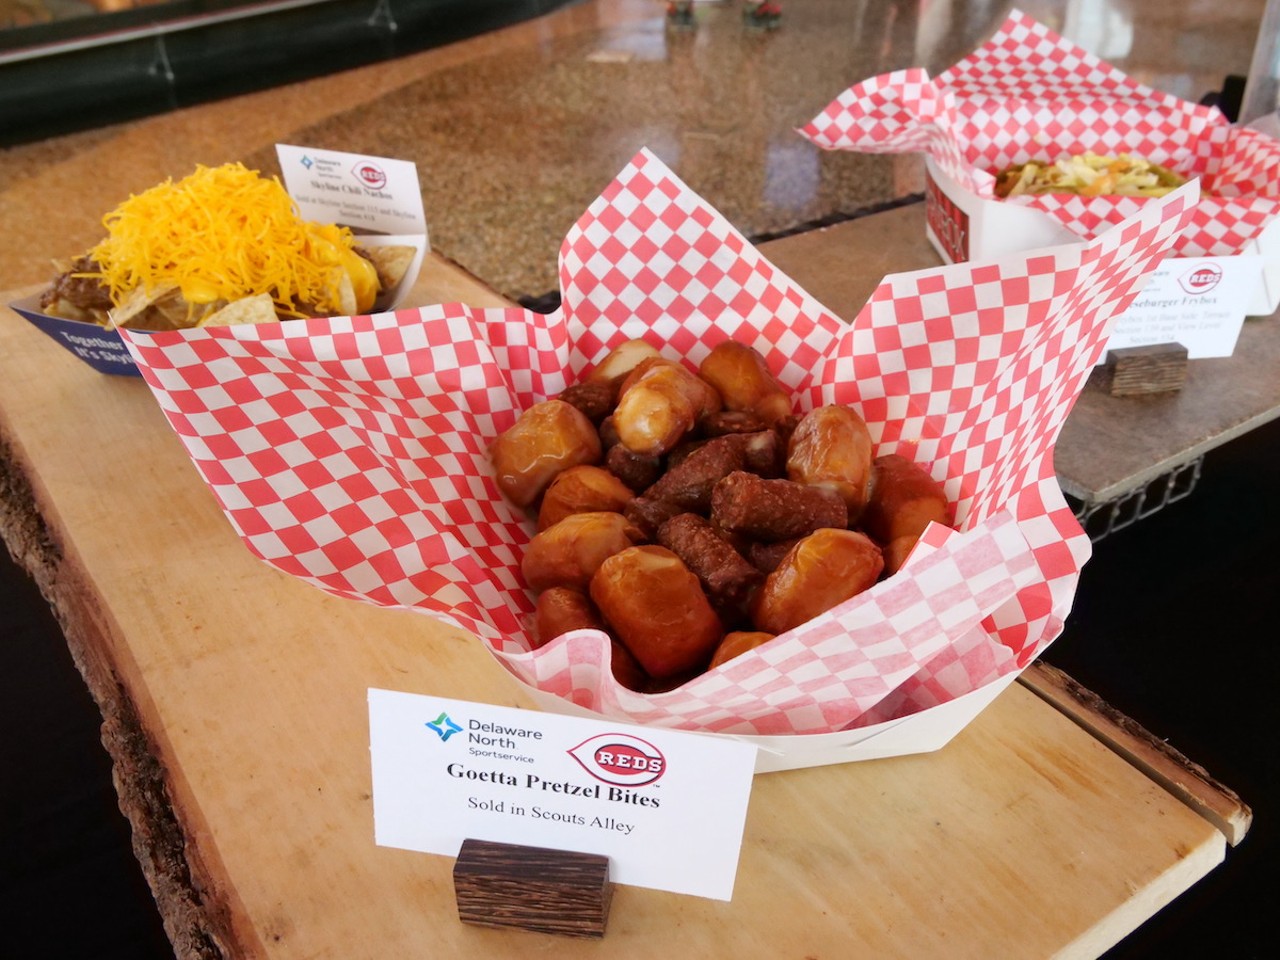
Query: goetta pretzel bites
[{"x": 702, "y": 516}]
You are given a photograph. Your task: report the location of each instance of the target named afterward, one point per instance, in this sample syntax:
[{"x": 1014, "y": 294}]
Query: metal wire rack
[{"x": 1103, "y": 518}]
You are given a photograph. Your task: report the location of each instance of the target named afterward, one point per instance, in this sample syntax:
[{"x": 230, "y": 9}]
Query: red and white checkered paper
[
  {"x": 352, "y": 452},
  {"x": 1029, "y": 94}
]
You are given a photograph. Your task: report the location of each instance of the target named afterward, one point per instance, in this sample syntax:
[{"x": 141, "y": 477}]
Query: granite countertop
[{"x": 516, "y": 131}]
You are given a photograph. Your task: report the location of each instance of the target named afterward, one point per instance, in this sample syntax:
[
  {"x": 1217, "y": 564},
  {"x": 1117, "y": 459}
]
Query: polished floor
[{"x": 514, "y": 133}]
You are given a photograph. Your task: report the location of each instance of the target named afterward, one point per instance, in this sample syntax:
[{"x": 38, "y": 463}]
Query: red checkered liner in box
[
  {"x": 351, "y": 452},
  {"x": 1028, "y": 94}
]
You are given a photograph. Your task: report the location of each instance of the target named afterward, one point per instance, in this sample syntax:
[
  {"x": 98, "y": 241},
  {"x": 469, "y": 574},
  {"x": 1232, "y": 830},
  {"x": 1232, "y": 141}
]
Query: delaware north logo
[
  {"x": 444, "y": 727},
  {"x": 620, "y": 759}
]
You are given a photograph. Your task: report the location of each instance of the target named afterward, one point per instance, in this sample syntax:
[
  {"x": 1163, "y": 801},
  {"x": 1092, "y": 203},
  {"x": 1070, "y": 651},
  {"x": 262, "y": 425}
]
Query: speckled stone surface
[{"x": 515, "y": 132}]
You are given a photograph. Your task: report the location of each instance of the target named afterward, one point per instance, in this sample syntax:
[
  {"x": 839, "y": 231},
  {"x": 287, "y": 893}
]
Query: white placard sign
[
  {"x": 365, "y": 193},
  {"x": 666, "y": 807},
  {"x": 1199, "y": 302}
]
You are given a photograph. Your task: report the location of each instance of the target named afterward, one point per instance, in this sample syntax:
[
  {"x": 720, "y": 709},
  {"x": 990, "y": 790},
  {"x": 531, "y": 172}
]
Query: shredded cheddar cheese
[{"x": 224, "y": 233}]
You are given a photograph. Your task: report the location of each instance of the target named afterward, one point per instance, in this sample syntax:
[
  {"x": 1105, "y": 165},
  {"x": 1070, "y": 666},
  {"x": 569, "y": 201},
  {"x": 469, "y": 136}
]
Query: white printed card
[{"x": 666, "y": 807}]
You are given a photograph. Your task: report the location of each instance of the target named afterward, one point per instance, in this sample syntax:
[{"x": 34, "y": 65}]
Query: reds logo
[
  {"x": 1201, "y": 279},
  {"x": 948, "y": 222},
  {"x": 620, "y": 759},
  {"x": 370, "y": 175}
]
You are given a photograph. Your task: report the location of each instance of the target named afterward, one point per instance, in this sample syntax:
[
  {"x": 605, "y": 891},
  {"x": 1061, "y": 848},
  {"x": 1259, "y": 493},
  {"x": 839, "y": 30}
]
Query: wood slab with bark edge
[
  {"x": 1160, "y": 760},
  {"x": 235, "y": 705}
]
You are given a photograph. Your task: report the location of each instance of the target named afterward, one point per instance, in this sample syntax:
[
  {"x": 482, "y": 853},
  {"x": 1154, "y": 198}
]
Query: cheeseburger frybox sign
[{"x": 666, "y": 807}]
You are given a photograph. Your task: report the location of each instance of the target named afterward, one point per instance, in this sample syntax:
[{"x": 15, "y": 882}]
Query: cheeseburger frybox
[{"x": 1028, "y": 101}]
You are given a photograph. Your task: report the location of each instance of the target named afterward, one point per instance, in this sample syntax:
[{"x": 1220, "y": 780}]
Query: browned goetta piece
[
  {"x": 766, "y": 556},
  {"x": 785, "y": 428},
  {"x": 725, "y": 575},
  {"x": 608, "y": 431},
  {"x": 771, "y": 510},
  {"x": 649, "y": 515},
  {"x": 731, "y": 421},
  {"x": 762, "y": 453},
  {"x": 595, "y": 399},
  {"x": 637, "y": 470},
  {"x": 689, "y": 483}
]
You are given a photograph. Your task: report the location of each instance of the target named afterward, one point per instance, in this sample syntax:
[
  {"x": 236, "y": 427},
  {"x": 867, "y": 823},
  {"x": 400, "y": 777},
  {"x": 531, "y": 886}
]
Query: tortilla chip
[
  {"x": 347, "y": 303},
  {"x": 392, "y": 262},
  {"x": 65, "y": 309},
  {"x": 162, "y": 309},
  {"x": 259, "y": 308},
  {"x": 174, "y": 313}
]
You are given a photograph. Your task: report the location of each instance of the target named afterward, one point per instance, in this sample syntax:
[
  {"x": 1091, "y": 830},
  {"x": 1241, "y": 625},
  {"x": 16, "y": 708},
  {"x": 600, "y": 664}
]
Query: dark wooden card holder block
[
  {"x": 532, "y": 888},
  {"x": 1157, "y": 368}
]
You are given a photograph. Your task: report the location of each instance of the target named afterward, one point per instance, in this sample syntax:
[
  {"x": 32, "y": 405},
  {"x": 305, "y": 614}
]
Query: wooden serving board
[{"x": 234, "y": 700}]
